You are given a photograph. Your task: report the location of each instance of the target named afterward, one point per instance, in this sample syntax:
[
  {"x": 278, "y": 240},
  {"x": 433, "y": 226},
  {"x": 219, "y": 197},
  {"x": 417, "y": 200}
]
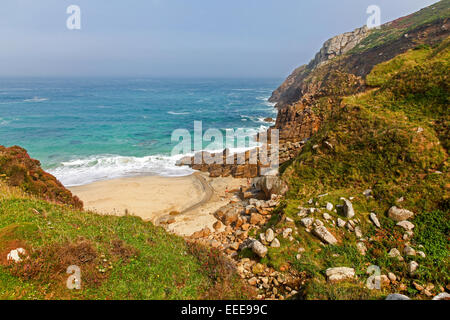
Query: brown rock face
[{"x": 26, "y": 173}]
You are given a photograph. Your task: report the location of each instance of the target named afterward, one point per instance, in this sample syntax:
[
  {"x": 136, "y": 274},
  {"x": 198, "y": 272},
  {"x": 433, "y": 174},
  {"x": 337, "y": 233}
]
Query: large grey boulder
[{"x": 398, "y": 214}]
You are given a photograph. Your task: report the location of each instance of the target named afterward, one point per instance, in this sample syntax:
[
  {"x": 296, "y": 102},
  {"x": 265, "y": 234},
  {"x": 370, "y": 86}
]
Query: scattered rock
[
  {"x": 323, "y": 234},
  {"x": 253, "y": 281},
  {"x": 392, "y": 277},
  {"x": 340, "y": 223},
  {"x": 307, "y": 222},
  {"x": 326, "y": 216},
  {"x": 329, "y": 206},
  {"x": 421, "y": 254},
  {"x": 409, "y": 251},
  {"x": 412, "y": 267},
  {"x": 348, "y": 209},
  {"x": 275, "y": 243},
  {"x": 259, "y": 249},
  {"x": 14, "y": 255},
  {"x": 408, "y": 226},
  {"x": 256, "y": 218},
  {"x": 270, "y": 235},
  {"x": 394, "y": 253},
  {"x": 374, "y": 219},
  {"x": 340, "y": 274},
  {"x": 398, "y": 214}
]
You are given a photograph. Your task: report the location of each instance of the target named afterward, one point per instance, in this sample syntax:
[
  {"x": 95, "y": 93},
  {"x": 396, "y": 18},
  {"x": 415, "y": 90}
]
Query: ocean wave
[
  {"x": 104, "y": 167},
  {"x": 35, "y": 99},
  {"x": 177, "y": 113}
]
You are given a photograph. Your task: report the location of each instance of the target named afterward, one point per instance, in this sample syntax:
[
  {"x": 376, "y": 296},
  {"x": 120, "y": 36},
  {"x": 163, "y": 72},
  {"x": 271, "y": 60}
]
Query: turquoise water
[{"x": 83, "y": 130}]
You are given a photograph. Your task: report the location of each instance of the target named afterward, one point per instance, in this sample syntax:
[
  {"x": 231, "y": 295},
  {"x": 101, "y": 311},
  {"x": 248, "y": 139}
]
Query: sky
[{"x": 176, "y": 38}]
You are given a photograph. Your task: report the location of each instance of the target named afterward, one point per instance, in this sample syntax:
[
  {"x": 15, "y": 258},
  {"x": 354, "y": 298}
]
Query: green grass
[
  {"x": 140, "y": 261},
  {"x": 393, "y": 139},
  {"x": 391, "y": 32}
]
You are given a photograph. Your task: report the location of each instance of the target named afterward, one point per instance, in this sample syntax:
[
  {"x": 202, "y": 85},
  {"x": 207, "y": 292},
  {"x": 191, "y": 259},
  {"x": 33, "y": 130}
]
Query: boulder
[
  {"x": 329, "y": 206},
  {"x": 271, "y": 185},
  {"x": 394, "y": 253},
  {"x": 373, "y": 217},
  {"x": 409, "y": 251},
  {"x": 256, "y": 218},
  {"x": 412, "y": 268},
  {"x": 323, "y": 234},
  {"x": 259, "y": 249},
  {"x": 275, "y": 243},
  {"x": 340, "y": 223},
  {"x": 270, "y": 235},
  {"x": 307, "y": 222},
  {"x": 408, "y": 226},
  {"x": 348, "y": 209},
  {"x": 340, "y": 274},
  {"x": 398, "y": 214}
]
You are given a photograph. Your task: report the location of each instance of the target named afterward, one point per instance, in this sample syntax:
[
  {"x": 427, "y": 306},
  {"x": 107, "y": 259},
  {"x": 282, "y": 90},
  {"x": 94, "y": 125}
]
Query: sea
[{"x": 86, "y": 130}]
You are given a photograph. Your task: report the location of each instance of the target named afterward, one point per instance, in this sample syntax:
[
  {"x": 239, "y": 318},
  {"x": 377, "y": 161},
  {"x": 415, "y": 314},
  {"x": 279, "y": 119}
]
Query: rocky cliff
[
  {"x": 311, "y": 93},
  {"x": 17, "y": 169}
]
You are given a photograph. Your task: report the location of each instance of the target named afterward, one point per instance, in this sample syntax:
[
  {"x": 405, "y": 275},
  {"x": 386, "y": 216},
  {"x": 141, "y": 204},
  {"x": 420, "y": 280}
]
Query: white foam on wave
[
  {"x": 87, "y": 170},
  {"x": 177, "y": 113},
  {"x": 36, "y": 99},
  {"x": 83, "y": 171}
]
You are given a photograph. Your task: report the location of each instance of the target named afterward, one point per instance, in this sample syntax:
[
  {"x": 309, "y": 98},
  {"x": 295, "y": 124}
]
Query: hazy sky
[{"x": 176, "y": 38}]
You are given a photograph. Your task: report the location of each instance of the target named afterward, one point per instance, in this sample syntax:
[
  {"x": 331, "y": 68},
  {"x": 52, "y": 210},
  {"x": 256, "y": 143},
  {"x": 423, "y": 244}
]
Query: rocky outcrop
[
  {"x": 17, "y": 169},
  {"x": 312, "y": 92},
  {"x": 339, "y": 45}
]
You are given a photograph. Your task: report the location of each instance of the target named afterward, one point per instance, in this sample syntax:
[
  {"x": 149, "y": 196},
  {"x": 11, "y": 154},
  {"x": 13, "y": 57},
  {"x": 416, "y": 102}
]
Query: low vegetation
[
  {"x": 119, "y": 257},
  {"x": 393, "y": 140}
]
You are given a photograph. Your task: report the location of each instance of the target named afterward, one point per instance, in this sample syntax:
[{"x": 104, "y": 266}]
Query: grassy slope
[
  {"x": 120, "y": 257},
  {"x": 377, "y": 144},
  {"x": 392, "y": 31}
]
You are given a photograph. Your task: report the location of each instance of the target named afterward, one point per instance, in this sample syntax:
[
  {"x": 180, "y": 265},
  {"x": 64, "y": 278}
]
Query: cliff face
[
  {"x": 332, "y": 48},
  {"x": 17, "y": 169},
  {"x": 312, "y": 92}
]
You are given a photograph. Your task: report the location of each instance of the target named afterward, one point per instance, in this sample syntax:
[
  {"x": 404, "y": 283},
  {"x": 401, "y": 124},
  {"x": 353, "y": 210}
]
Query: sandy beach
[{"x": 153, "y": 198}]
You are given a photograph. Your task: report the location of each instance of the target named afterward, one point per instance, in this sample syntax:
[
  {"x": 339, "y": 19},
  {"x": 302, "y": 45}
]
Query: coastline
[{"x": 183, "y": 204}]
